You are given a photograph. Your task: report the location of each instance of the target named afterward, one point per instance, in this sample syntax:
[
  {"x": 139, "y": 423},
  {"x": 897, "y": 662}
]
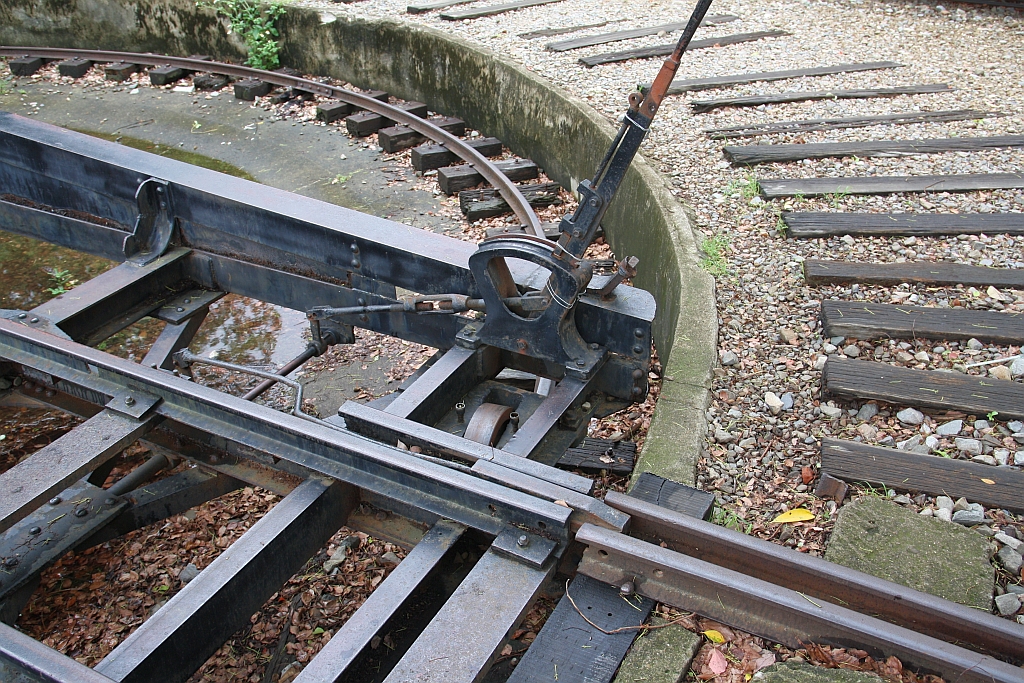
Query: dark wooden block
[
  {"x": 749, "y": 130},
  {"x": 825, "y": 224},
  {"x": 249, "y": 89},
  {"x": 210, "y": 81},
  {"x": 453, "y": 125},
  {"x": 165, "y": 75},
  {"x": 429, "y": 157},
  {"x": 596, "y": 455},
  {"x": 672, "y": 495},
  {"x": 366, "y": 123},
  {"x": 491, "y": 10},
  {"x": 616, "y": 36},
  {"x": 864, "y": 320},
  {"x": 859, "y": 463},
  {"x": 664, "y": 50},
  {"x": 766, "y": 154},
  {"x": 487, "y": 203},
  {"x": 329, "y": 112},
  {"x": 972, "y": 394},
  {"x": 119, "y": 71},
  {"x": 704, "y": 106},
  {"x": 25, "y": 66},
  {"x": 396, "y": 138},
  {"x": 381, "y": 95},
  {"x": 74, "y": 68},
  {"x": 819, "y": 187},
  {"x": 681, "y": 86},
  {"x": 454, "y": 179},
  {"x": 939, "y": 274}
]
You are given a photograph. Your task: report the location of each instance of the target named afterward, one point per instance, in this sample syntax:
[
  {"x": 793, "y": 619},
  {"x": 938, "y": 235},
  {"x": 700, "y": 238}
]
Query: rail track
[{"x": 478, "y": 477}]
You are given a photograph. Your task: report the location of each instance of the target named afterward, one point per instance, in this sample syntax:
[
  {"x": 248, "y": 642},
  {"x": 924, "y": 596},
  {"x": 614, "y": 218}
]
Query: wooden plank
[
  {"x": 550, "y": 32},
  {"x": 823, "y": 224},
  {"x": 665, "y": 50},
  {"x": 692, "y": 85},
  {"x": 594, "y": 455},
  {"x": 807, "y": 125},
  {"x": 931, "y": 474},
  {"x": 768, "y": 154},
  {"x": 672, "y": 495},
  {"x": 817, "y": 187},
  {"x": 972, "y": 394},
  {"x": 865, "y": 320},
  {"x": 630, "y": 34},
  {"x": 431, "y": 156},
  {"x": 940, "y": 274},
  {"x": 487, "y": 203},
  {"x": 431, "y": 6},
  {"x": 704, "y": 106},
  {"x": 454, "y": 179},
  {"x": 491, "y": 10}
]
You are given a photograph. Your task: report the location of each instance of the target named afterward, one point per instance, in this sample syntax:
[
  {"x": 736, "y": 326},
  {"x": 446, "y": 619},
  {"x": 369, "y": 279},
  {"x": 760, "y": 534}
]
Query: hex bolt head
[
  {"x": 35, "y": 531},
  {"x": 523, "y": 541},
  {"x": 81, "y": 512},
  {"x": 580, "y": 362},
  {"x": 594, "y": 346},
  {"x": 129, "y": 400},
  {"x": 627, "y": 589},
  {"x": 55, "y": 500}
]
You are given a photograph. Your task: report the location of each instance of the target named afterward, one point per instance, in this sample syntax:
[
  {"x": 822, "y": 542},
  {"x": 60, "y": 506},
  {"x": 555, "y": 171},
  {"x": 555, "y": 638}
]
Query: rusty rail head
[{"x": 508, "y": 190}]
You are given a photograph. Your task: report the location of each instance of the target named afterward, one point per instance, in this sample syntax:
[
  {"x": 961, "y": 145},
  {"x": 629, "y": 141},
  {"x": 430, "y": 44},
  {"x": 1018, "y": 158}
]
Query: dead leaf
[
  {"x": 717, "y": 662},
  {"x": 794, "y": 515},
  {"x": 807, "y": 475},
  {"x": 714, "y": 636},
  {"x": 988, "y": 481}
]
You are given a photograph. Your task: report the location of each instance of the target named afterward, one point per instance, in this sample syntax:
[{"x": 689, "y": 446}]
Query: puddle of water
[{"x": 32, "y": 271}]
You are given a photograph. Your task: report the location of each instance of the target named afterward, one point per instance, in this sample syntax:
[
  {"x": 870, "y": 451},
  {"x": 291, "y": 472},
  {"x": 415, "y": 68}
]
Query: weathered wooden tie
[
  {"x": 817, "y": 187},
  {"x": 940, "y": 274},
  {"x": 704, "y": 106},
  {"x": 690, "y": 85},
  {"x": 852, "y": 461},
  {"x": 751, "y": 130},
  {"x": 491, "y": 10},
  {"x": 865, "y": 320},
  {"x": 973, "y": 394},
  {"x": 630, "y": 34},
  {"x": 664, "y": 50},
  {"x": 487, "y": 203},
  {"x": 429, "y": 157},
  {"x": 768, "y": 154},
  {"x": 454, "y": 179},
  {"x": 824, "y": 224},
  {"x": 596, "y": 455}
]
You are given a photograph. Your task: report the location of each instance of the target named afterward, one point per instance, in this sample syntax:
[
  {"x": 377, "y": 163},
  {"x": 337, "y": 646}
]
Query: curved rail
[{"x": 508, "y": 190}]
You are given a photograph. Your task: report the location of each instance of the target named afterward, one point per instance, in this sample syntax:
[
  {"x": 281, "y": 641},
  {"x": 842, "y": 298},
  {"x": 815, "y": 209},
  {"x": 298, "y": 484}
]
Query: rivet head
[
  {"x": 593, "y": 201},
  {"x": 55, "y": 500},
  {"x": 187, "y": 301},
  {"x": 638, "y": 333},
  {"x": 35, "y": 531},
  {"x": 11, "y": 562},
  {"x": 180, "y": 309},
  {"x": 22, "y": 316},
  {"x": 523, "y": 541},
  {"x": 355, "y": 263},
  {"x": 34, "y": 320},
  {"x": 638, "y": 349},
  {"x": 354, "y": 248},
  {"x": 81, "y": 512},
  {"x": 129, "y": 400}
]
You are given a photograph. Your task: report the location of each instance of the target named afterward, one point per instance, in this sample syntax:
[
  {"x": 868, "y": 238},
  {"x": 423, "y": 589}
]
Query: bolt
[
  {"x": 111, "y": 501},
  {"x": 355, "y": 263},
  {"x": 11, "y": 562},
  {"x": 580, "y": 362},
  {"x": 627, "y": 589},
  {"x": 354, "y": 248},
  {"x": 594, "y": 346},
  {"x": 35, "y": 531},
  {"x": 361, "y": 301},
  {"x": 55, "y": 500},
  {"x": 460, "y": 411},
  {"x": 180, "y": 309},
  {"x": 129, "y": 400},
  {"x": 81, "y": 512},
  {"x": 187, "y": 301},
  {"x": 586, "y": 406},
  {"x": 521, "y": 344},
  {"x": 34, "y": 320},
  {"x": 523, "y": 541},
  {"x": 22, "y": 316},
  {"x": 593, "y": 201}
]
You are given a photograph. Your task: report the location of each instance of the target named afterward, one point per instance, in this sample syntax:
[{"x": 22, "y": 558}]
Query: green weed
[
  {"x": 991, "y": 417},
  {"x": 730, "y": 520},
  {"x": 748, "y": 188},
  {"x": 714, "y": 259},
  {"x": 255, "y": 24},
  {"x": 835, "y": 198},
  {"x": 5, "y": 86},
  {"x": 61, "y": 281}
]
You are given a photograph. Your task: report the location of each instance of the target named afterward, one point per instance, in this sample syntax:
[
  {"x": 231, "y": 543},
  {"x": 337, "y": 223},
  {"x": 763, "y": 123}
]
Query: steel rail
[
  {"x": 508, "y": 190},
  {"x": 819, "y": 578},
  {"x": 779, "y": 614}
]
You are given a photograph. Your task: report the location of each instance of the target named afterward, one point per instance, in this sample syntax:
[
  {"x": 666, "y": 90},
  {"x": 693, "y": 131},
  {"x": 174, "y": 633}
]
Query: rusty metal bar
[
  {"x": 182, "y": 634},
  {"x": 779, "y": 614},
  {"x": 508, "y": 190},
  {"x": 819, "y": 578}
]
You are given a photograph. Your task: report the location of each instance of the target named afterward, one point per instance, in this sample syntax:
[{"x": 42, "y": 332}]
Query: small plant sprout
[
  {"x": 991, "y": 417},
  {"x": 714, "y": 260}
]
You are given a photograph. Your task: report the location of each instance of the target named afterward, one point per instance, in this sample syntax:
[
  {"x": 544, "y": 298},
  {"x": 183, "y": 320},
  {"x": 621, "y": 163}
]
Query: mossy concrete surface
[
  {"x": 878, "y": 537},
  {"x": 535, "y": 118},
  {"x": 662, "y": 655},
  {"x": 800, "y": 672}
]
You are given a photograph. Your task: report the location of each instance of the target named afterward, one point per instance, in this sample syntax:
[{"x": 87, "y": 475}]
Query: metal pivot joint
[{"x": 155, "y": 225}]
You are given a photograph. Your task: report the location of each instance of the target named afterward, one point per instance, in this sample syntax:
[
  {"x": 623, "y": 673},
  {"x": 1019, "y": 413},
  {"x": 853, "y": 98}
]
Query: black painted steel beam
[
  {"x": 175, "y": 641},
  {"x": 460, "y": 643},
  {"x": 22, "y": 656},
  {"x": 372, "y": 618},
  {"x": 765, "y": 609}
]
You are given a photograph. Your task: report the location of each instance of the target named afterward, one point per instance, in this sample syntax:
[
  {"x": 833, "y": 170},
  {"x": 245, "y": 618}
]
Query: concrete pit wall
[{"x": 535, "y": 118}]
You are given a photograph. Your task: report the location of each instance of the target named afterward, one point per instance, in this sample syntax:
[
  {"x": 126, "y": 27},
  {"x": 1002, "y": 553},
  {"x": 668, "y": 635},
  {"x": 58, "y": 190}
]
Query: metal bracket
[
  {"x": 155, "y": 225},
  {"x": 132, "y": 403},
  {"x": 521, "y": 545},
  {"x": 185, "y": 305},
  {"x": 33, "y": 320}
]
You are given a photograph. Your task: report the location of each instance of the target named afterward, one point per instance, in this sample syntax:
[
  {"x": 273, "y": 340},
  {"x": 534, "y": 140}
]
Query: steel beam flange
[
  {"x": 524, "y": 546},
  {"x": 779, "y": 614}
]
